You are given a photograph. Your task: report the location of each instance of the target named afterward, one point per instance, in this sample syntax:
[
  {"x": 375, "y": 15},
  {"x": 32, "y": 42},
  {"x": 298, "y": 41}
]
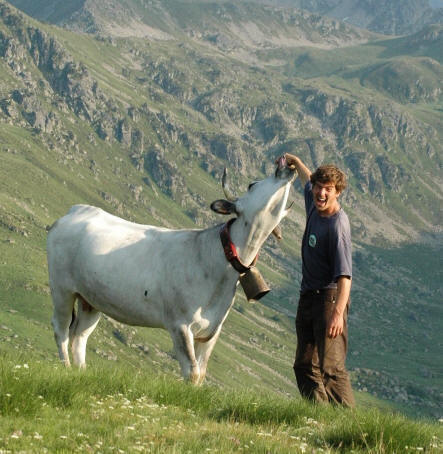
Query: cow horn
[
  {"x": 225, "y": 186},
  {"x": 287, "y": 209}
]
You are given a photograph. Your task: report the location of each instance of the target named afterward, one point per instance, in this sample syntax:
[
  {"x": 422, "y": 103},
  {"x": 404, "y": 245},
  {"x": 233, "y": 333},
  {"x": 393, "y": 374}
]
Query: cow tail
[
  {"x": 48, "y": 228},
  {"x": 73, "y": 318}
]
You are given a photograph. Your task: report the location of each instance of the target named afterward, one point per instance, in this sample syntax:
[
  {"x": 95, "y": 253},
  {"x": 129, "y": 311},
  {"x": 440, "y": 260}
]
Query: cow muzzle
[{"x": 283, "y": 170}]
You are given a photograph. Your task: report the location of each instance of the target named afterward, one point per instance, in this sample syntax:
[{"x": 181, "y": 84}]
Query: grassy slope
[{"x": 46, "y": 408}]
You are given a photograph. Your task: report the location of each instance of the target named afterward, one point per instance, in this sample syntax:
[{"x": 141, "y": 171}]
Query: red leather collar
[{"x": 231, "y": 251}]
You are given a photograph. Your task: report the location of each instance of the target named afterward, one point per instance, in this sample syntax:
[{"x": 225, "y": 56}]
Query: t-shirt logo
[{"x": 312, "y": 240}]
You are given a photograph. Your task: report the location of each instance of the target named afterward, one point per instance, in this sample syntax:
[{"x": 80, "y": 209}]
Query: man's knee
[
  {"x": 339, "y": 389},
  {"x": 302, "y": 368}
]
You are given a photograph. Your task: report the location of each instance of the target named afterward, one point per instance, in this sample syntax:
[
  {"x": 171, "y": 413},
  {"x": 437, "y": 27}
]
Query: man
[{"x": 321, "y": 321}]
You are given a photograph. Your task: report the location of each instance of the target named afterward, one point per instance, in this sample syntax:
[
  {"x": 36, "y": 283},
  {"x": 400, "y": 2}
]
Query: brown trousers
[{"x": 320, "y": 361}]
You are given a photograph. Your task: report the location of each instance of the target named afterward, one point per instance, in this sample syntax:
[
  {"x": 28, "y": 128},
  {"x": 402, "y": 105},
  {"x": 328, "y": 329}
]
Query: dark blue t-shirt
[{"x": 326, "y": 247}]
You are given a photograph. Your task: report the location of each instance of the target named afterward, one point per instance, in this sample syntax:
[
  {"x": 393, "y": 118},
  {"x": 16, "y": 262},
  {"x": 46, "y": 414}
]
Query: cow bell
[{"x": 253, "y": 284}]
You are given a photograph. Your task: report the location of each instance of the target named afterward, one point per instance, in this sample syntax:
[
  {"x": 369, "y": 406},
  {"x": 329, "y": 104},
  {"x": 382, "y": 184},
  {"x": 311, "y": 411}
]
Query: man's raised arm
[{"x": 303, "y": 172}]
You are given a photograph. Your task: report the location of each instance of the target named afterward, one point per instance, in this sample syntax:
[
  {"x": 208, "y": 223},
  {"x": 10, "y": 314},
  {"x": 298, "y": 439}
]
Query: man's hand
[
  {"x": 295, "y": 162},
  {"x": 291, "y": 160},
  {"x": 335, "y": 325}
]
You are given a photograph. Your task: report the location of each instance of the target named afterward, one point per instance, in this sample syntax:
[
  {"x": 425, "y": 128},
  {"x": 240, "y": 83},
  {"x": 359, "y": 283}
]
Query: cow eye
[{"x": 252, "y": 184}]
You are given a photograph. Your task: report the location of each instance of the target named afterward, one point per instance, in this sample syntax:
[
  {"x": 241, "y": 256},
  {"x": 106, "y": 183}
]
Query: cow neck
[{"x": 231, "y": 251}]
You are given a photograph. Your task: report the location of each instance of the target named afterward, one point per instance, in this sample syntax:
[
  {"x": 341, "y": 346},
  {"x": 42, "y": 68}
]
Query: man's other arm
[{"x": 335, "y": 326}]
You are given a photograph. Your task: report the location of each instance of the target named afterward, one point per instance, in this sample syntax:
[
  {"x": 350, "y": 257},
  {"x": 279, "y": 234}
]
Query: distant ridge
[
  {"x": 229, "y": 23},
  {"x": 389, "y": 17}
]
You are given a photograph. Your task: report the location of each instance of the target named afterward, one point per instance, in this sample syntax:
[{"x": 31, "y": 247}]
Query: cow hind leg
[
  {"x": 184, "y": 348},
  {"x": 61, "y": 320},
  {"x": 86, "y": 321}
]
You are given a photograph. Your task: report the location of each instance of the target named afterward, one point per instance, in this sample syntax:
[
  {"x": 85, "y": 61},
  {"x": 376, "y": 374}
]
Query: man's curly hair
[{"x": 329, "y": 173}]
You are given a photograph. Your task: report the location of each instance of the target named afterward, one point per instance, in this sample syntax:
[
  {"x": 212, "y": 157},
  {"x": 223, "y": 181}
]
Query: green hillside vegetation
[
  {"x": 143, "y": 128},
  {"x": 44, "y": 407}
]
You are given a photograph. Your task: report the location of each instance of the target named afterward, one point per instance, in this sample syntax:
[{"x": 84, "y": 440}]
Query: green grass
[{"x": 44, "y": 406}]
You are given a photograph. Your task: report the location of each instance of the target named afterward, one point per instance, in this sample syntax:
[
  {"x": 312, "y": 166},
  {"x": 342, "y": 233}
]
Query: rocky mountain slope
[{"x": 144, "y": 126}]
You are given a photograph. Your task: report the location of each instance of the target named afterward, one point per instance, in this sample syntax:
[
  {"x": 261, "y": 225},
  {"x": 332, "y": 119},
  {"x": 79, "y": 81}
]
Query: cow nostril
[{"x": 146, "y": 293}]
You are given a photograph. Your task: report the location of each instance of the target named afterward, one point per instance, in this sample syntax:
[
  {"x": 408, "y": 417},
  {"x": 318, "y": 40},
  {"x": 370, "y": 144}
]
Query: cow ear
[
  {"x": 223, "y": 207},
  {"x": 277, "y": 232}
]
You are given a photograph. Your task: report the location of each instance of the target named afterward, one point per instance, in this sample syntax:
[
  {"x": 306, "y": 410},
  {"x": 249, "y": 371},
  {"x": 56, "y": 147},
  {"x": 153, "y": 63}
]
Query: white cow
[{"x": 179, "y": 280}]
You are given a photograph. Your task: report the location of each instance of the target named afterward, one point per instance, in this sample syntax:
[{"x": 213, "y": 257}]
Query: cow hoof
[{"x": 194, "y": 378}]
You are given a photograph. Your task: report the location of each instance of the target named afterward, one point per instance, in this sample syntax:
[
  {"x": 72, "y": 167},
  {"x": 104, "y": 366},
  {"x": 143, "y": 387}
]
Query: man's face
[{"x": 325, "y": 198}]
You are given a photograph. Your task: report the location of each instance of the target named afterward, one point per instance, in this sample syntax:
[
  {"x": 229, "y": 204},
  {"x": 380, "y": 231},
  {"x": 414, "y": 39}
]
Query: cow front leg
[
  {"x": 203, "y": 351},
  {"x": 183, "y": 340}
]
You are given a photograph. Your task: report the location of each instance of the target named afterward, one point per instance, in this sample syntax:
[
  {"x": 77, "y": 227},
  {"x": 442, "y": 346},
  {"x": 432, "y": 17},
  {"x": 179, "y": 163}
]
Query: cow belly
[{"x": 130, "y": 312}]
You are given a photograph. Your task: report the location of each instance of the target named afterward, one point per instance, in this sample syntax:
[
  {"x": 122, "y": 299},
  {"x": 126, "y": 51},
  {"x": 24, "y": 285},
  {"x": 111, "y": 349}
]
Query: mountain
[
  {"x": 143, "y": 124},
  {"x": 389, "y": 17}
]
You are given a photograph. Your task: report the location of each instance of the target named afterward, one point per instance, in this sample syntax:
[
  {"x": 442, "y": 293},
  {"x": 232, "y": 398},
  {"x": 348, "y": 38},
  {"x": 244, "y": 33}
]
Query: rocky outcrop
[
  {"x": 228, "y": 149},
  {"x": 165, "y": 173},
  {"x": 171, "y": 79},
  {"x": 352, "y": 122}
]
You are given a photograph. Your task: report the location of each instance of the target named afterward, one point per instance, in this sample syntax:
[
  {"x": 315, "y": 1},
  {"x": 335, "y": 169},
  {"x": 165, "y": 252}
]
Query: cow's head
[{"x": 263, "y": 206}]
